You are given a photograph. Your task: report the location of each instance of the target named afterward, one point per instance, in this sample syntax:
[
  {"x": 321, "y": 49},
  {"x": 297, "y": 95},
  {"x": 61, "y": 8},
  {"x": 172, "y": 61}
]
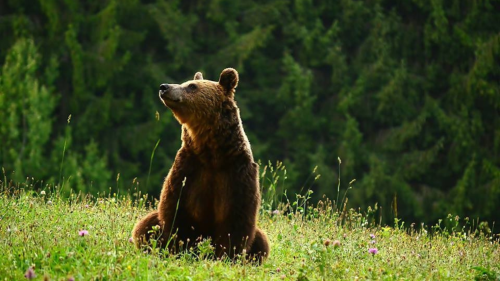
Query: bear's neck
[{"x": 218, "y": 142}]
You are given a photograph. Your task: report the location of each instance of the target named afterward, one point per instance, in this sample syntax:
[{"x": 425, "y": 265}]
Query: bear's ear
[
  {"x": 198, "y": 76},
  {"x": 229, "y": 79}
]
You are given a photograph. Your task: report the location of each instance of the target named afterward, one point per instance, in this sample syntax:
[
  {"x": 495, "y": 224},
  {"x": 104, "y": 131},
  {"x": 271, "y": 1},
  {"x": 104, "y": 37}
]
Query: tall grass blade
[{"x": 151, "y": 163}]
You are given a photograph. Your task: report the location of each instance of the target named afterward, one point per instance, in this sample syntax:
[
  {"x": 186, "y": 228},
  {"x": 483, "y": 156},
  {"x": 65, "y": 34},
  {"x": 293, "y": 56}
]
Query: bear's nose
[{"x": 164, "y": 87}]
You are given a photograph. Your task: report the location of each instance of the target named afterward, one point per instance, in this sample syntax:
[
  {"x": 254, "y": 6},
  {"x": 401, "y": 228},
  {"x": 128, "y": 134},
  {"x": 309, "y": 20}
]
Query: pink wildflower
[
  {"x": 30, "y": 273},
  {"x": 372, "y": 236},
  {"x": 336, "y": 243},
  {"x": 83, "y": 232},
  {"x": 373, "y": 251}
]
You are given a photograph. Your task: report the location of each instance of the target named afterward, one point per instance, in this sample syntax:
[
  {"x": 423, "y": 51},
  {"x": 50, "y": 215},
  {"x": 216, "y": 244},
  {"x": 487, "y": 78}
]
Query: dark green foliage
[{"x": 407, "y": 93}]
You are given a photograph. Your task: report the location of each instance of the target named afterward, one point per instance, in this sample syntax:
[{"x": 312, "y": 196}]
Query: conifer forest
[{"x": 402, "y": 96}]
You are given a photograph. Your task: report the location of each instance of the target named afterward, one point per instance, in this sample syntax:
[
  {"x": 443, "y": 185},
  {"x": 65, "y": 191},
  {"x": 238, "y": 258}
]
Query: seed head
[{"x": 327, "y": 242}]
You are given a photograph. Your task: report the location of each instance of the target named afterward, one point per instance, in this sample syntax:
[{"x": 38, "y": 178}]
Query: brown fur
[{"x": 214, "y": 177}]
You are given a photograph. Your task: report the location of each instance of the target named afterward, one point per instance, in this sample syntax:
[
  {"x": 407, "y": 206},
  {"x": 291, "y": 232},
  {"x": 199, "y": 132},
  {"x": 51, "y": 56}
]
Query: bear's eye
[{"x": 192, "y": 87}]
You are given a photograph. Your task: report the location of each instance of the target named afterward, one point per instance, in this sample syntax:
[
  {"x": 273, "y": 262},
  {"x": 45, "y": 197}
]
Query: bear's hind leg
[
  {"x": 260, "y": 247},
  {"x": 142, "y": 232}
]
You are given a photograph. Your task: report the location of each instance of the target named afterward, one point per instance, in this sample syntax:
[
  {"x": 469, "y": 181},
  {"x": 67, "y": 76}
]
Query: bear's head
[{"x": 199, "y": 100}]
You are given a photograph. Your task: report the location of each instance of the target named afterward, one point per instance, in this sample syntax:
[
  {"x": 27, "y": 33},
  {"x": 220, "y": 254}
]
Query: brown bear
[{"x": 212, "y": 190}]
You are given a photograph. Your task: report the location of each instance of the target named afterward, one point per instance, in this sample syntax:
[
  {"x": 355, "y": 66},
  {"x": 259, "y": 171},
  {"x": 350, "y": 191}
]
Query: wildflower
[
  {"x": 373, "y": 251},
  {"x": 336, "y": 243},
  {"x": 372, "y": 236},
  {"x": 83, "y": 232},
  {"x": 49, "y": 202},
  {"x": 278, "y": 270},
  {"x": 276, "y": 212},
  {"x": 30, "y": 273},
  {"x": 131, "y": 240},
  {"x": 71, "y": 278},
  {"x": 345, "y": 235},
  {"x": 373, "y": 242},
  {"x": 87, "y": 205},
  {"x": 42, "y": 192},
  {"x": 327, "y": 242}
]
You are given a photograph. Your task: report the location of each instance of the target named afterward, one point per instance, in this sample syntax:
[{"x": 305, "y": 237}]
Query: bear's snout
[
  {"x": 170, "y": 93},
  {"x": 164, "y": 87}
]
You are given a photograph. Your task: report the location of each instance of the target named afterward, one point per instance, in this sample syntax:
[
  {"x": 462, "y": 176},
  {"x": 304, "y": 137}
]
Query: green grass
[{"x": 42, "y": 231}]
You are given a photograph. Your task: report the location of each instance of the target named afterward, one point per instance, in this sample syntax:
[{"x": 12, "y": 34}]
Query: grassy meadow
[{"x": 47, "y": 236}]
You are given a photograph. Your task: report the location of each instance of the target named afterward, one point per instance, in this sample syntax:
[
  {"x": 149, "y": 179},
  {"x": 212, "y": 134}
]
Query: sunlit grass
[{"x": 42, "y": 231}]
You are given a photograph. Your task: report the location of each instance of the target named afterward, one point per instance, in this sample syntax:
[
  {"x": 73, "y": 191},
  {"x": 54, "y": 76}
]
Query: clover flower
[
  {"x": 373, "y": 251},
  {"x": 30, "y": 273},
  {"x": 83, "y": 232},
  {"x": 327, "y": 242},
  {"x": 372, "y": 236}
]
